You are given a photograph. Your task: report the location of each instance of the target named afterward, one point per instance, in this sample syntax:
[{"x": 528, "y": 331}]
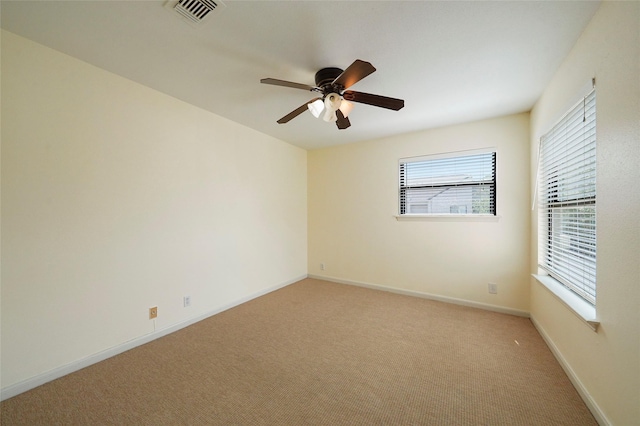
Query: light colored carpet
[{"x": 320, "y": 353}]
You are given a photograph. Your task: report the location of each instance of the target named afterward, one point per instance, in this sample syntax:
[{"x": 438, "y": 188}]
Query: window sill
[
  {"x": 448, "y": 217},
  {"x": 582, "y": 309}
]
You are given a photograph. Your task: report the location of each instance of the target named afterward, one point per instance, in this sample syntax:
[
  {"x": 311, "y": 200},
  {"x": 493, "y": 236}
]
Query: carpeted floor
[{"x": 320, "y": 353}]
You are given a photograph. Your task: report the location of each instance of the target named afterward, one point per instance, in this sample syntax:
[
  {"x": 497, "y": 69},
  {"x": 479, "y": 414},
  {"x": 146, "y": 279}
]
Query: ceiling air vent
[{"x": 195, "y": 12}]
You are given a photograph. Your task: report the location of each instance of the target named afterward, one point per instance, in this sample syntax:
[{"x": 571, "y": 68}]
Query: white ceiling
[{"x": 451, "y": 61}]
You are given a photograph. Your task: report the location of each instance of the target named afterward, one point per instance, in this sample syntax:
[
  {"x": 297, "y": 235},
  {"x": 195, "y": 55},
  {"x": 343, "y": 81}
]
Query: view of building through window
[{"x": 460, "y": 184}]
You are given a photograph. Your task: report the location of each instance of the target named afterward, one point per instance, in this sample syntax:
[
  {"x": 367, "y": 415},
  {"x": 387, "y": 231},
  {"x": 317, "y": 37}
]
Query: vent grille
[{"x": 195, "y": 11}]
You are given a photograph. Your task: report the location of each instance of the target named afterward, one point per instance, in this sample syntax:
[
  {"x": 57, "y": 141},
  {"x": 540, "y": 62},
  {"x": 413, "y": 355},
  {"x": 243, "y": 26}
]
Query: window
[
  {"x": 449, "y": 184},
  {"x": 567, "y": 200}
]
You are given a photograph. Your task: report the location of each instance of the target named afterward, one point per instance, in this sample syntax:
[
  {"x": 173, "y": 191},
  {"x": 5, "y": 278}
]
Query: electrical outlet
[
  {"x": 153, "y": 312},
  {"x": 322, "y": 266},
  {"x": 186, "y": 301},
  {"x": 493, "y": 288}
]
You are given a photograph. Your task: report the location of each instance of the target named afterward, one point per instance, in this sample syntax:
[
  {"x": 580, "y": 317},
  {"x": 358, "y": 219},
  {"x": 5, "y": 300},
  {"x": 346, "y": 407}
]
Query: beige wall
[
  {"x": 116, "y": 198},
  {"x": 606, "y": 363},
  {"x": 353, "y": 197}
]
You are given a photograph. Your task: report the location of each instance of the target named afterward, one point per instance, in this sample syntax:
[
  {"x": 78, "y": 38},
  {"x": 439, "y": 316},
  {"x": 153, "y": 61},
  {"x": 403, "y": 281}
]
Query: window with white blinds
[
  {"x": 449, "y": 184},
  {"x": 567, "y": 200}
]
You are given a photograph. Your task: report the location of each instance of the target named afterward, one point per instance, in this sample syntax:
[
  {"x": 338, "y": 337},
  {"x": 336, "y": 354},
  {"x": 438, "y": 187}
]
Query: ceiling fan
[{"x": 335, "y": 101}]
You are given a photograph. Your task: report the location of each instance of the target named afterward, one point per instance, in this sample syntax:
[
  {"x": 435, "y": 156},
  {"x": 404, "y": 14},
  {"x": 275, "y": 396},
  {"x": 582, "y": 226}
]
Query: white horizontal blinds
[
  {"x": 567, "y": 209},
  {"x": 464, "y": 184}
]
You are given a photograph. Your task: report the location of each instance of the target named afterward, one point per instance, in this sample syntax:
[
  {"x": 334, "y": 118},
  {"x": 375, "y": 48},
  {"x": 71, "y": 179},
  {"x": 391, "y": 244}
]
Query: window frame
[{"x": 458, "y": 157}]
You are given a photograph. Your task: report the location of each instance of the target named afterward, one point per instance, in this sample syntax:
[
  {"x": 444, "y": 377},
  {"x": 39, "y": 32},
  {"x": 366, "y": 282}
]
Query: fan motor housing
[{"x": 325, "y": 77}]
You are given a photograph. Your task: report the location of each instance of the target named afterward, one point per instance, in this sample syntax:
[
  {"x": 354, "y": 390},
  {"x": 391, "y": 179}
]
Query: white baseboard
[
  {"x": 586, "y": 397},
  {"x": 40, "y": 379},
  {"x": 453, "y": 300}
]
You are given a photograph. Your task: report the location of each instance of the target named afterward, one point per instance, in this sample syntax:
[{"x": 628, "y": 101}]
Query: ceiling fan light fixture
[
  {"x": 345, "y": 107},
  {"x": 331, "y": 103},
  {"x": 316, "y": 107},
  {"x": 329, "y": 115}
]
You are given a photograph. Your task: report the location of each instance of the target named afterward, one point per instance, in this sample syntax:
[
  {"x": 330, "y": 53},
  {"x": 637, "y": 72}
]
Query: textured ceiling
[{"x": 450, "y": 61}]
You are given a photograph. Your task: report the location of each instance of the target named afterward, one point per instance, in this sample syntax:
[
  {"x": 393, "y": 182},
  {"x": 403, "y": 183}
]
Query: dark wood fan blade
[
  {"x": 342, "y": 122},
  {"x": 296, "y": 112},
  {"x": 354, "y": 73},
  {"x": 375, "y": 100},
  {"x": 284, "y": 83}
]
